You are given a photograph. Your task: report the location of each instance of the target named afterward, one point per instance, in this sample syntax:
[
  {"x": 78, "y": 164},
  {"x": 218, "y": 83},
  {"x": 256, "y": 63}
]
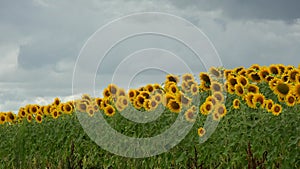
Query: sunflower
[
  {"x": 264, "y": 72},
  {"x": 254, "y": 76},
  {"x": 98, "y": 101},
  {"x": 258, "y": 100},
  {"x": 219, "y": 96},
  {"x": 132, "y": 94},
  {"x": 173, "y": 89},
  {"x": 106, "y": 93},
  {"x": 22, "y": 113},
  {"x": 157, "y": 86},
  {"x": 158, "y": 98},
  {"x": 187, "y": 77},
  {"x": 123, "y": 101},
  {"x": 268, "y": 105},
  {"x": 269, "y": 78},
  {"x": 56, "y": 101},
  {"x": 255, "y": 67},
  {"x": 90, "y": 110},
  {"x": 33, "y": 109},
  {"x": 2, "y": 118},
  {"x": 46, "y": 110},
  {"x": 221, "y": 109},
  {"x": 81, "y": 106},
  {"x": 205, "y": 80},
  {"x": 136, "y": 104},
  {"x": 215, "y": 72},
  {"x": 227, "y": 73},
  {"x": 172, "y": 78},
  {"x": 293, "y": 74},
  {"x": 10, "y": 117},
  {"x": 236, "y": 104},
  {"x": 285, "y": 78},
  {"x": 149, "y": 88},
  {"x": 190, "y": 115},
  {"x": 168, "y": 97},
  {"x": 174, "y": 106},
  {"x": 86, "y": 97},
  {"x": 249, "y": 100},
  {"x": 67, "y": 108},
  {"x": 232, "y": 81},
  {"x": 282, "y": 88},
  {"x": 216, "y": 116},
  {"x": 273, "y": 83},
  {"x": 109, "y": 111},
  {"x": 252, "y": 88},
  {"x": 290, "y": 100},
  {"x": 121, "y": 92},
  {"x": 194, "y": 89},
  {"x": 274, "y": 69},
  {"x": 206, "y": 107},
  {"x": 113, "y": 89},
  {"x": 211, "y": 99},
  {"x": 281, "y": 67},
  {"x": 216, "y": 87},
  {"x": 152, "y": 104},
  {"x": 29, "y": 118},
  {"x": 276, "y": 109},
  {"x": 185, "y": 87},
  {"x": 296, "y": 90},
  {"x": 184, "y": 100},
  {"x": 242, "y": 80},
  {"x": 39, "y": 118},
  {"x": 201, "y": 131},
  {"x": 145, "y": 94},
  {"x": 140, "y": 100},
  {"x": 55, "y": 114},
  {"x": 60, "y": 107},
  {"x": 239, "y": 90}
]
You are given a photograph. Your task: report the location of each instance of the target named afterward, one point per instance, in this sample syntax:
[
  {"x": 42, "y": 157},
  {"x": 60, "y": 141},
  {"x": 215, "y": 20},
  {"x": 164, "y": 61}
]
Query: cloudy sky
[{"x": 40, "y": 41}]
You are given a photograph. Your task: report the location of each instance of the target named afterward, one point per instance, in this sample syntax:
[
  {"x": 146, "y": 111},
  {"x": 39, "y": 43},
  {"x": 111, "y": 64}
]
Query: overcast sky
[{"x": 40, "y": 41}]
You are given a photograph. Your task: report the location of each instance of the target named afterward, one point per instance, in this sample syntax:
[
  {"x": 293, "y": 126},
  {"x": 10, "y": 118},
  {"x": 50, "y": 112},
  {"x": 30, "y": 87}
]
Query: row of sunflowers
[{"x": 177, "y": 94}]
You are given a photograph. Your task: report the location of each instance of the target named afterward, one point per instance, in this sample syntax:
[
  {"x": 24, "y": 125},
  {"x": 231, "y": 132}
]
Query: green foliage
[{"x": 62, "y": 143}]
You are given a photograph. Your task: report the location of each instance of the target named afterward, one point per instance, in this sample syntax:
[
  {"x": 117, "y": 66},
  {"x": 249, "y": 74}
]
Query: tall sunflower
[
  {"x": 276, "y": 109},
  {"x": 172, "y": 78},
  {"x": 290, "y": 100},
  {"x": 252, "y": 88},
  {"x": 187, "y": 77},
  {"x": 109, "y": 111},
  {"x": 258, "y": 100},
  {"x": 242, "y": 80},
  {"x": 282, "y": 88},
  {"x": 239, "y": 90},
  {"x": 201, "y": 131},
  {"x": 174, "y": 106},
  {"x": 39, "y": 118},
  {"x": 215, "y": 72},
  {"x": 205, "y": 80},
  {"x": 236, "y": 104},
  {"x": 216, "y": 86}
]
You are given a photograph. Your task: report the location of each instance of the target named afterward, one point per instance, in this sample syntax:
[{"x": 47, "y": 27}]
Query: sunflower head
[
  {"x": 282, "y": 88},
  {"x": 215, "y": 72},
  {"x": 274, "y": 69},
  {"x": 219, "y": 96},
  {"x": 174, "y": 106},
  {"x": 187, "y": 77},
  {"x": 242, "y": 80},
  {"x": 236, "y": 104},
  {"x": 109, "y": 111},
  {"x": 149, "y": 88},
  {"x": 258, "y": 100},
  {"x": 268, "y": 105},
  {"x": 276, "y": 109},
  {"x": 39, "y": 118},
  {"x": 172, "y": 78},
  {"x": 190, "y": 115},
  {"x": 201, "y": 131},
  {"x": 216, "y": 86},
  {"x": 221, "y": 110},
  {"x": 290, "y": 100},
  {"x": 205, "y": 80},
  {"x": 252, "y": 88},
  {"x": 293, "y": 74},
  {"x": 239, "y": 90}
]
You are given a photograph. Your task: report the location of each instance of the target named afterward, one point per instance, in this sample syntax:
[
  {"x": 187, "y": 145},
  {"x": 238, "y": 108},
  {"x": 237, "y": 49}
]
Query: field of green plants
[{"x": 257, "y": 109}]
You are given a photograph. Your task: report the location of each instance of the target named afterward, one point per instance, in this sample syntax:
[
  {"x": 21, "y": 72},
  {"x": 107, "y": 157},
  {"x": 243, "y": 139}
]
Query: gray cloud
[
  {"x": 40, "y": 40},
  {"x": 267, "y": 9}
]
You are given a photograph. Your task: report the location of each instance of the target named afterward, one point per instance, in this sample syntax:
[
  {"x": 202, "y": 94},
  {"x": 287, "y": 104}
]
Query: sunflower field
[{"x": 257, "y": 110}]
